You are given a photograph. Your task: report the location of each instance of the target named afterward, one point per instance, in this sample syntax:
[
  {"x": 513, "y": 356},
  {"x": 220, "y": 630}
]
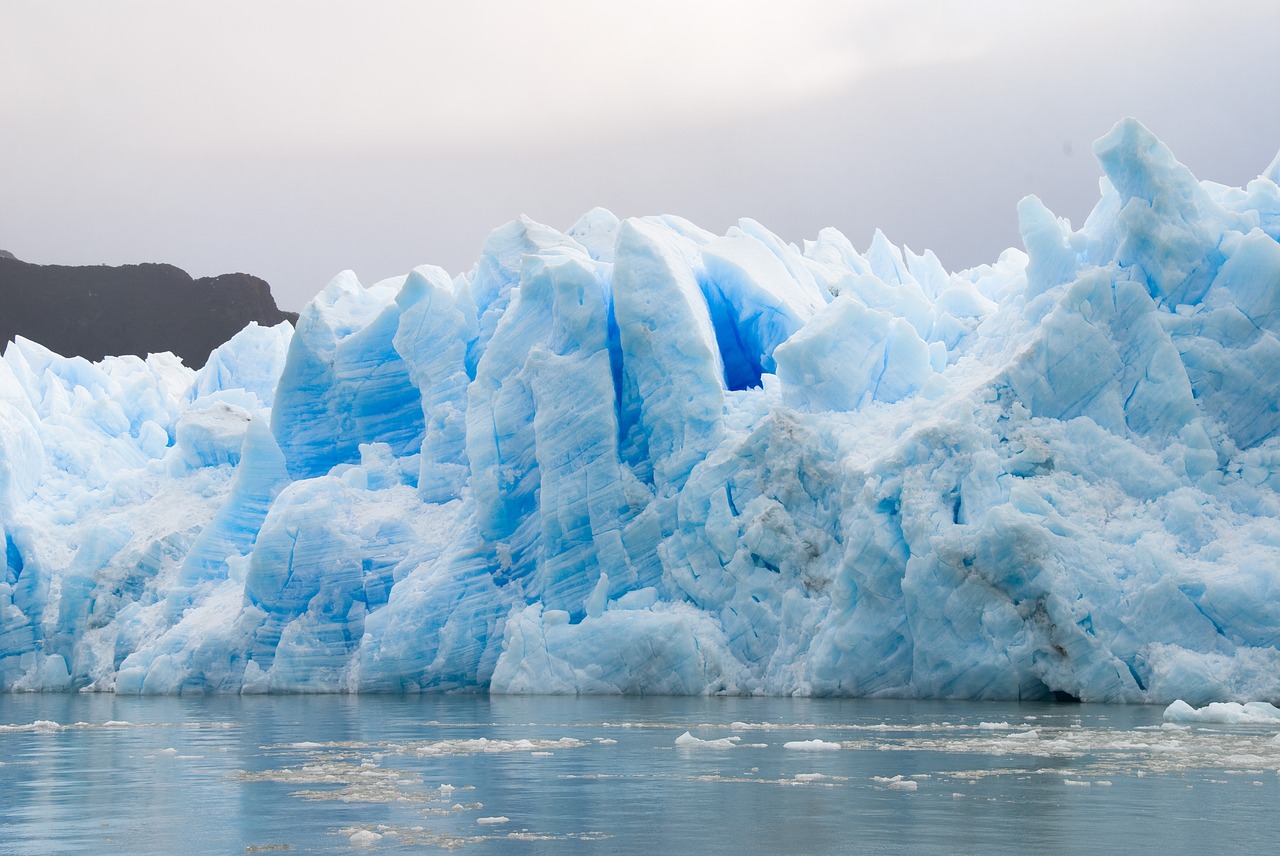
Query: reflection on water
[{"x": 101, "y": 774}]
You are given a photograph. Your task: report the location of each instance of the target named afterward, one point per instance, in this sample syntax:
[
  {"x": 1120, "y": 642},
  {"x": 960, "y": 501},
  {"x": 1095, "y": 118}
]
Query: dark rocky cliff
[{"x": 97, "y": 311}]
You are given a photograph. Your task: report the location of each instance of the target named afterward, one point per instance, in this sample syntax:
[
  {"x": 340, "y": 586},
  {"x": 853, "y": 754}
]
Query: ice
[
  {"x": 1225, "y": 713},
  {"x": 671, "y": 359},
  {"x": 435, "y": 311},
  {"x": 811, "y": 745},
  {"x": 849, "y": 356},
  {"x": 896, "y": 783},
  {"x": 343, "y": 382},
  {"x": 755, "y": 301},
  {"x": 638, "y": 457},
  {"x": 688, "y": 741},
  {"x": 1023, "y": 735},
  {"x": 490, "y": 746},
  {"x": 252, "y": 360}
]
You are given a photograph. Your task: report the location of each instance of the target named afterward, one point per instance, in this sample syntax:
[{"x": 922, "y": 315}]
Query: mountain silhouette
[{"x": 98, "y": 310}]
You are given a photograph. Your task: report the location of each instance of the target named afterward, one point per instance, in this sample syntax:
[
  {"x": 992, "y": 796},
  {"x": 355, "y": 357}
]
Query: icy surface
[{"x": 637, "y": 457}]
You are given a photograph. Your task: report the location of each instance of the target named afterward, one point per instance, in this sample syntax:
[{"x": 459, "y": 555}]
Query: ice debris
[{"x": 637, "y": 457}]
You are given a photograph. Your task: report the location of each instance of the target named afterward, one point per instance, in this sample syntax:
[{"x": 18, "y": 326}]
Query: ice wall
[{"x": 637, "y": 457}]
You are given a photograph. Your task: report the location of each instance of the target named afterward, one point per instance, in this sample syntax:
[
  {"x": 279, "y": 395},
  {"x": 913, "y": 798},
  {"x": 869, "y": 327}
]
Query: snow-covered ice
[{"x": 637, "y": 457}]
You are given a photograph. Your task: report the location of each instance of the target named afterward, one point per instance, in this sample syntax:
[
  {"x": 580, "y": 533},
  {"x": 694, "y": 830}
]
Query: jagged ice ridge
[{"x": 636, "y": 457}]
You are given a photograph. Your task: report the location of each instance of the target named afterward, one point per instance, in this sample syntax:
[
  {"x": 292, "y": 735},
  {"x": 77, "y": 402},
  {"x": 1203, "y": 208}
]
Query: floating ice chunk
[
  {"x": 897, "y": 783},
  {"x": 1022, "y": 736},
  {"x": 688, "y": 741},
  {"x": 489, "y": 821},
  {"x": 365, "y": 838},
  {"x": 1224, "y": 713},
  {"x": 814, "y": 745},
  {"x": 492, "y": 746}
]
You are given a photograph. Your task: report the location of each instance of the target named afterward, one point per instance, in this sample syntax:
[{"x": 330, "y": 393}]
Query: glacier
[{"x": 638, "y": 457}]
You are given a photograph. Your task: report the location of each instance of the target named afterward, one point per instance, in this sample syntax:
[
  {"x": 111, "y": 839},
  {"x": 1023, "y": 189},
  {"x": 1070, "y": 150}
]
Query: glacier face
[{"x": 638, "y": 457}]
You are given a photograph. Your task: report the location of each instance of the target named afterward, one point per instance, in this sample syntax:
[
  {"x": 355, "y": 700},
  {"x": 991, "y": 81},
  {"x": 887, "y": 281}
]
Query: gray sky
[{"x": 295, "y": 139}]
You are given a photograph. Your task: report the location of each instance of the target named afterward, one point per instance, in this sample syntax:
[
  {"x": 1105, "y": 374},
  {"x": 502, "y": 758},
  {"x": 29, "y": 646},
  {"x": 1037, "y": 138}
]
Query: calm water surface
[{"x": 502, "y": 775}]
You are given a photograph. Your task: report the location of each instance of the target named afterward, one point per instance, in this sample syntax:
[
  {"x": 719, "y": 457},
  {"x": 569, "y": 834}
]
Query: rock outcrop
[{"x": 97, "y": 311}]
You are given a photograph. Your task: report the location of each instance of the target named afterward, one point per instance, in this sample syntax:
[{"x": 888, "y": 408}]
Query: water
[{"x": 324, "y": 774}]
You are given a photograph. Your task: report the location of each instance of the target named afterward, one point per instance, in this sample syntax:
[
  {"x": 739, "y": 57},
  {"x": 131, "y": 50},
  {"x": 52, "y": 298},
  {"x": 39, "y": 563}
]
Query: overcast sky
[{"x": 295, "y": 139}]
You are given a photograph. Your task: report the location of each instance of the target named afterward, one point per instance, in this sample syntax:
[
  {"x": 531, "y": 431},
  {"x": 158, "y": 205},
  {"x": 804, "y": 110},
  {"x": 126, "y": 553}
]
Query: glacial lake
[{"x": 544, "y": 775}]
